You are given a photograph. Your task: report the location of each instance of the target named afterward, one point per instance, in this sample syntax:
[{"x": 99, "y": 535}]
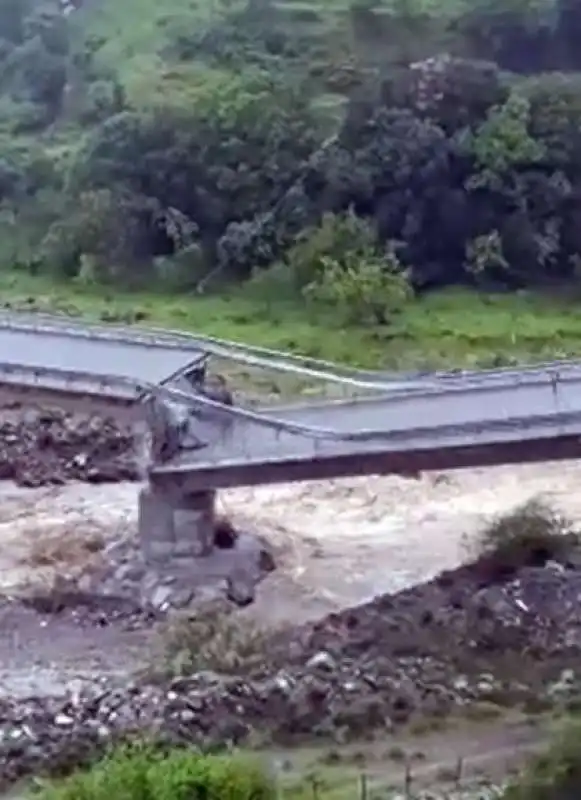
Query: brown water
[{"x": 339, "y": 542}]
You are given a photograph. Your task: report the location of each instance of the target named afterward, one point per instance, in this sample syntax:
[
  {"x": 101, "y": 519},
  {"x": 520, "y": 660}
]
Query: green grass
[
  {"x": 134, "y": 35},
  {"x": 135, "y": 28},
  {"x": 446, "y": 329}
]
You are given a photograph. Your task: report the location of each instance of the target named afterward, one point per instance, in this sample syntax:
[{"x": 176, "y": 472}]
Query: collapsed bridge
[{"x": 201, "y": 440}]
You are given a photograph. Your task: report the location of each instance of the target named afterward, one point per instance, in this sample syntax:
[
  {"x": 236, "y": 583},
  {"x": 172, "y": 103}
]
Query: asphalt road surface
[{"x": 57, "y": 350}]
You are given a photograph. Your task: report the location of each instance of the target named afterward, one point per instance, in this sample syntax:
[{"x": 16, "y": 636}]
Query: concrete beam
[{"x": 409, "y": 464}]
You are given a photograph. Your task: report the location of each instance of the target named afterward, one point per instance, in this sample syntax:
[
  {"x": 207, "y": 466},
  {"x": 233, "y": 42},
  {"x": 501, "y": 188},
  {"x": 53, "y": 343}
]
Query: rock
[
  {"x": 568, "y": 676},
  {"x": 133, "y": 572},
  {"x": 323, "y": 661},
  {"x": 161, "y": 597},
  {"x": 364, "y": 669},
  {"x": 565, "y": 686},
  {"x": 182, "y": 598},
  {"x": 63, "y": 720},
  {"x": 461, "y": 683},
  {"x": 177, "y": 582},
  {"x": 241, "y": 588}
]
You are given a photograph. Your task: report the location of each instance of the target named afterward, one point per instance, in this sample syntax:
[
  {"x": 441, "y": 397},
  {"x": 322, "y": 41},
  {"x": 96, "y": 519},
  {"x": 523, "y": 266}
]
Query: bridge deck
[
  {"x": 58, "y": 348},
  {"x": 536, "y": 419}
]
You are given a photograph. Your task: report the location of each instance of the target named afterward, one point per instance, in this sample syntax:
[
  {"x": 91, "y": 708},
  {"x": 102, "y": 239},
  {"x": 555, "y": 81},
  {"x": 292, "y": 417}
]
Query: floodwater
[{"x": 339, "y": 542}]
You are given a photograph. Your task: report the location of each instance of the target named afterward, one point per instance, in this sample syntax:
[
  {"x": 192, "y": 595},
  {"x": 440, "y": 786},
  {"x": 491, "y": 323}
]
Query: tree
[
  {"x": 364, "y": 288},
  {"x": 230, "y": 158}
]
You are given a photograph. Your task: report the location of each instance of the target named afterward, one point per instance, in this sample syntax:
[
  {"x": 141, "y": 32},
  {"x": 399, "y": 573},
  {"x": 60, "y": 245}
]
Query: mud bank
[
  {"x": 466, "y": 637},
  {"x": 51, "y": 447}
]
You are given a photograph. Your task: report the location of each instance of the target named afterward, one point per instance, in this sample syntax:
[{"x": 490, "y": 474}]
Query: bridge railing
[
  {"x": 232, "y": 351},
  {"x": 560, "y": 394},
  {"x": 263, "y": 357}
]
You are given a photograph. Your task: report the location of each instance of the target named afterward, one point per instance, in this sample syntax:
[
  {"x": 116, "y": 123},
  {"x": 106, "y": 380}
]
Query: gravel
[{"x": 460, "y": 639}]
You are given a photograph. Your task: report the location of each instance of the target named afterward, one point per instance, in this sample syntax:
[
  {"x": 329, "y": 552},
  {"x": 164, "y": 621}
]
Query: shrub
[
  {"x": 35, "y": 74},
  {"x": 531, "y": 534},
  {"x": 184, "y": 270},
  {"x": 107, "y": 236},
  {"x": 454, "y": 92},
  {"x": 209, "y": 638},
  {"x": 22, "y": 116},
  {"x": 485, "y": 256},
  {"x": 365, "y": 288},
  {"x": 185, "y": 777},
  {"x": 101, "y": 100},
  {"x": 554, "y": 774},
  {"x": 337, "y": 236},
  {"x": 142, "y": 772},
  {"x": 273, "y": 285},
  {"x": 555, "y": 117},
  {"x": 503, "y": 142},
  {"x": 516, "y": 34}
]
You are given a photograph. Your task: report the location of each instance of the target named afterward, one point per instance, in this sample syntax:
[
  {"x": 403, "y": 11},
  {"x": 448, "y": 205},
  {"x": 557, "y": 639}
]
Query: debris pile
[
  {"x": 422, "y": 653},
  {"x": 120, "y": 574},
  {"x": 39, "y": 448}
]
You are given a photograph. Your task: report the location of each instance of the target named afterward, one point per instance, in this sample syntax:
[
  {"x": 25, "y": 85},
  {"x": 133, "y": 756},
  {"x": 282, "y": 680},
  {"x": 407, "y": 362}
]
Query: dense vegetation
[
  {"x": 349, "y": 154},
  {"x": 333, "y": 152},
  {"x": 147, "y": 773}
]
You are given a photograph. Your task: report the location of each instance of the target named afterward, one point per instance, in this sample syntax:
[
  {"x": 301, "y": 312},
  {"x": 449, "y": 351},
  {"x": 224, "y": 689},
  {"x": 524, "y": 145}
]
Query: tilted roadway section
[
  {"x": 83, "y": 338},
  {"x": 533, "y": 416}
]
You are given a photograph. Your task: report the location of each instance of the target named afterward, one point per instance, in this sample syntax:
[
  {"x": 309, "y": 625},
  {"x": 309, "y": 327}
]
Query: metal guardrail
[
  {"x": 233, "y": 351},
  {"x": 59, "y": 326},
  {"x": 268, "y": 417},
  {"x": 273, "y": 359}
]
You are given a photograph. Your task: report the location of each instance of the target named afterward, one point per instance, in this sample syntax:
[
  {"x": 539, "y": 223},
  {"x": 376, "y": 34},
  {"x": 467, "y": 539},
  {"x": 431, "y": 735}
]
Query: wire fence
[{"x": 454, "y": 781}]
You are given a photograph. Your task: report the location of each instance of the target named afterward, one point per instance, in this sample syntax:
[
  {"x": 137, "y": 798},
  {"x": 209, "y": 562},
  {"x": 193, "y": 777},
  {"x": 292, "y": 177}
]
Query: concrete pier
[
  {"x": 184, "y": 560},
  {"x": 174, "y": 526},
  {"x": 194, "y": 524}
]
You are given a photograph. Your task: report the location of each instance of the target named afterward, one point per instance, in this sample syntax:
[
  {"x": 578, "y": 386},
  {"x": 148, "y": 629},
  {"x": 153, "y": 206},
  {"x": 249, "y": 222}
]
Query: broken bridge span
[{"x": 202, "y": 441}]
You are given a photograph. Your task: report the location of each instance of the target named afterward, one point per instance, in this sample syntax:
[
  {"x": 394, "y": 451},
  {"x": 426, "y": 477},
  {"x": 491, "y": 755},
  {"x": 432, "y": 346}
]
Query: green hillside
[{"x": 341, "y": 156}]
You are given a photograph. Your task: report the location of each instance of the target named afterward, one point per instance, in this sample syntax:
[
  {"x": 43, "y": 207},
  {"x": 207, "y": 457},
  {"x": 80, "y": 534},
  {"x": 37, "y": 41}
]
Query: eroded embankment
[{"x": 470, "y": 636}]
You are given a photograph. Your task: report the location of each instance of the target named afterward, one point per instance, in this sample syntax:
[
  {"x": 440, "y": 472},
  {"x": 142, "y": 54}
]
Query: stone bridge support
[{"x": 174, "y": 526}]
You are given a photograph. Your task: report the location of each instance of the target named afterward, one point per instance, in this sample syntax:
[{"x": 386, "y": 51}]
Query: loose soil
[{"x": 40, "y": 447}]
